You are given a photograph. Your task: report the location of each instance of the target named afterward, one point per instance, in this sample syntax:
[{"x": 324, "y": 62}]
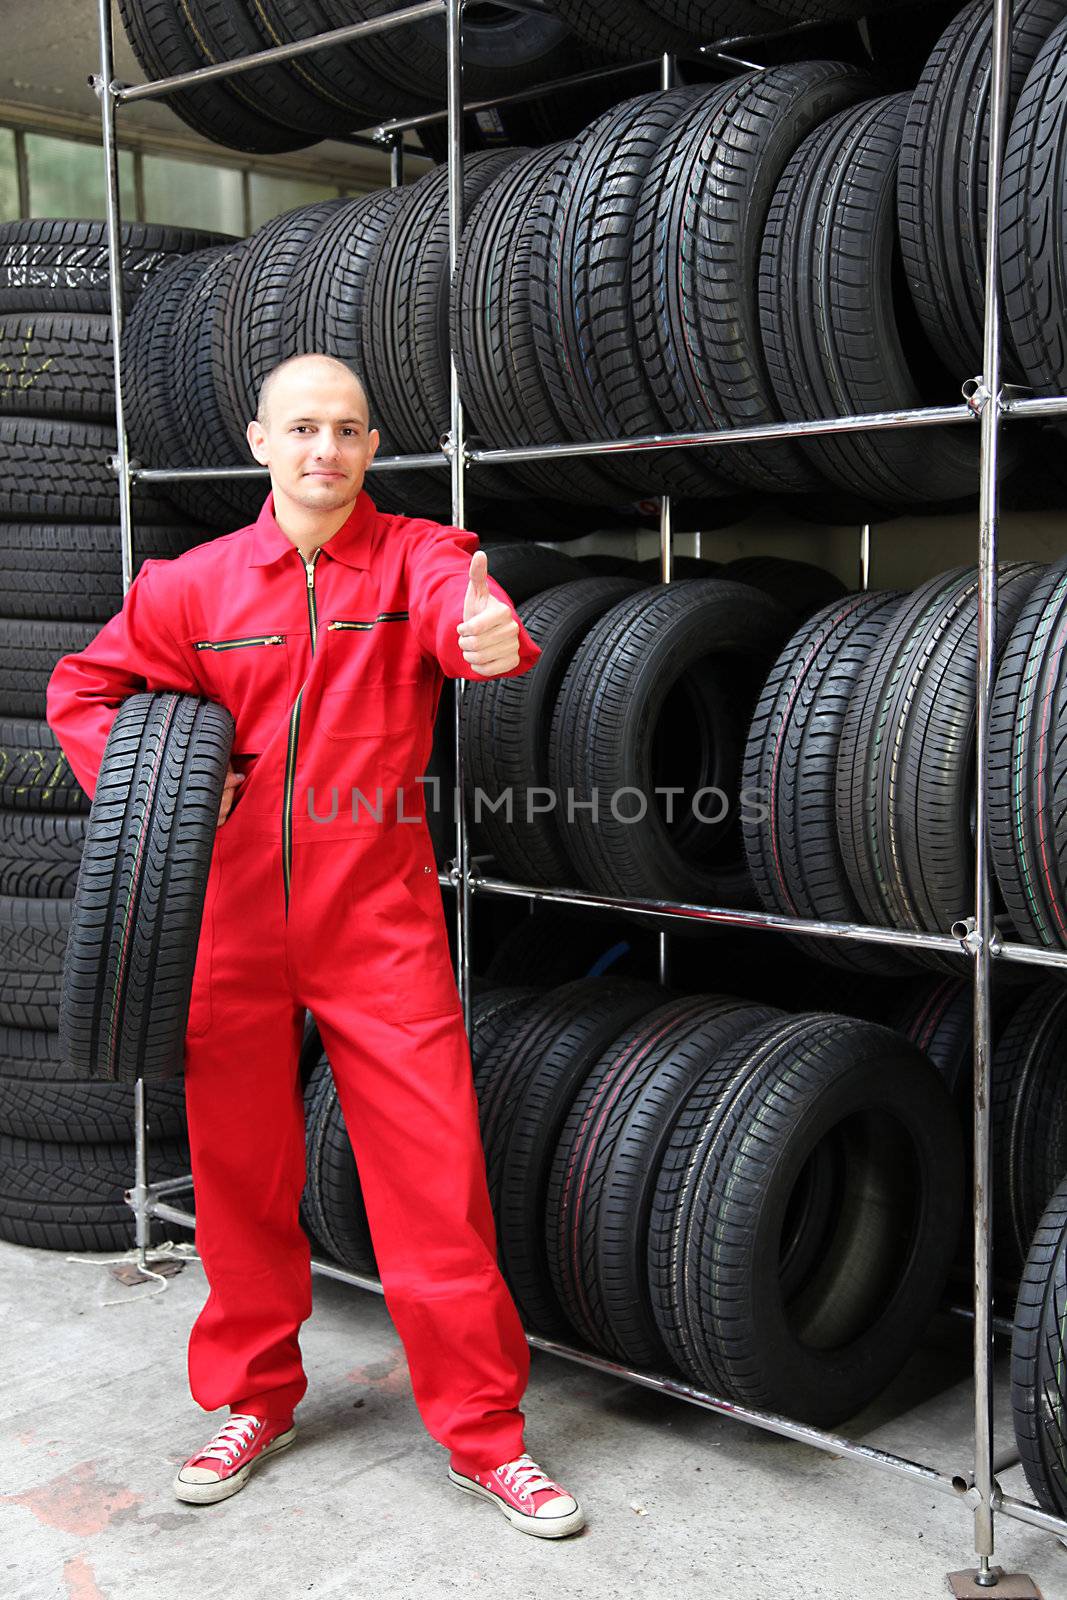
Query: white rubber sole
[
  {"x": 206, "y": 1494},
  {"x": 540, "y": 1527}
]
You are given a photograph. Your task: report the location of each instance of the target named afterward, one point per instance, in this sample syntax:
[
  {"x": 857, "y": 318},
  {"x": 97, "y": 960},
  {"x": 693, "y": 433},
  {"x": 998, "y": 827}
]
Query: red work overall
[{"x": 323, "y": 894}]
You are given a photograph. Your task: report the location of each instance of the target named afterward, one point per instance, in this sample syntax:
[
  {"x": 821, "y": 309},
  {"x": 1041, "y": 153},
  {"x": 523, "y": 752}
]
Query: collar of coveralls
[{"x": 350, "y": 544}]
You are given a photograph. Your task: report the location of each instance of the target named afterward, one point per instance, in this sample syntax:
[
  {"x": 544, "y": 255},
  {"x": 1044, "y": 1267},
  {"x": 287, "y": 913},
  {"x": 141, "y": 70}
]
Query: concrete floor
[{"x": 97, "y": 1418}]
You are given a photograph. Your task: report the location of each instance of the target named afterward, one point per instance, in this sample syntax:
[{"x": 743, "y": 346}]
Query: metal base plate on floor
[
  {"x": 164, "y": 1266},
  {"x": 1009, "y": 1586}
]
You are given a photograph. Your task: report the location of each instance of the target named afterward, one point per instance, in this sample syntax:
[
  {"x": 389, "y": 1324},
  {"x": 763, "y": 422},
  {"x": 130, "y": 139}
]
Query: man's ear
[
  {"x": 257, "y": 441},
  {"x": 374, "y": 439}
]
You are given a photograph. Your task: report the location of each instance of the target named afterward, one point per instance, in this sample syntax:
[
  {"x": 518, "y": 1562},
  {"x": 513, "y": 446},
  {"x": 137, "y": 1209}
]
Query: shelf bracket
[{"x": 976, "y": 394}]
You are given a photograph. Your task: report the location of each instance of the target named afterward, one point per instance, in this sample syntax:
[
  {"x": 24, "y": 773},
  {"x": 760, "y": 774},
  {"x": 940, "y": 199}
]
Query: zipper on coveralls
[
  {"x": 289, "y": 784},
  {"x": 383, "y": 616},
  {"x": 234, "y": 644}
]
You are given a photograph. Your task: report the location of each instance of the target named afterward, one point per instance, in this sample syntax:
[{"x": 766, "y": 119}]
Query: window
[
  {"x": 67, "y": 179},
  {"x": 9, "y": 183},
  {"x": 193, "y": 194},
  {"x": 271, "y": 196}
]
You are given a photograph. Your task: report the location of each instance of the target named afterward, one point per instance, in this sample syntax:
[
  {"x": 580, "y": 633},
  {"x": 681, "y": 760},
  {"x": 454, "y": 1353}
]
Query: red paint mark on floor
[
  {"x": 26, "y": 1438},
  {"x": 80, "y": 1580},
  {"x": 76, "y": 1502},
  {"x": 388, "y": 1376}
]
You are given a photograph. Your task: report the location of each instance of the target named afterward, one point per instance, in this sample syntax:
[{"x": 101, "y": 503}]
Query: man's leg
[
  {"x": 246, "y": 1133},
  {"x": 408, "y": 1099}
]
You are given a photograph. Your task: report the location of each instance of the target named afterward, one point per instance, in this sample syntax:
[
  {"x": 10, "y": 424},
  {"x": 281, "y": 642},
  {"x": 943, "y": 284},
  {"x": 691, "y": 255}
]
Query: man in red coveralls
[{"x": 326, "y": 629}]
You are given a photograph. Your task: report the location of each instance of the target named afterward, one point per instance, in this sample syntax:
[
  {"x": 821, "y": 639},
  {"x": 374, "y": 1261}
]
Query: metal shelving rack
[{"x": 984, "y": 403}]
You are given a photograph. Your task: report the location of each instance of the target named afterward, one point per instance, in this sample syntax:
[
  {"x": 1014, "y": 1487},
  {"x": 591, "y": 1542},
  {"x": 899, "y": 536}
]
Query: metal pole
[
  {"x": 102, "y": 86},
  {"x": 140, "y": 1176},
  {"x": 396, "y": 161},
  {"x": 668, "y": 72},
  {"x": 454, "y": 45},
  {"x": 865, "y": 556},
  {"x": 666, "y": 540},
  {"x": 987, "y": 621},
  {"x": 666, "y": 567}
]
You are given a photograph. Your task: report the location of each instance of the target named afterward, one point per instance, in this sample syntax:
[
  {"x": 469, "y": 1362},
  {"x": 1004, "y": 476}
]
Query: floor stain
[
  {"x": 77, "y": 1502},
  {"x": 165, "y": 1519},
  {"x": 80, "y": 1580},
  {"x": 388, "y": 1376}
]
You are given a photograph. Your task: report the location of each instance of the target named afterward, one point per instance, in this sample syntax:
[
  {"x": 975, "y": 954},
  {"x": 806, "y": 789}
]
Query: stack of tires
[
  {"x": 365, "y": 280},
  {"x": 617, "y": 764},
  {"x": 65, "y": 1153},
  {"x": 638, "y": 1216},
  {"x": 332, "y": 92},
  {"x": 702, "y": 258},
  {"x": 863, "y": 748}
]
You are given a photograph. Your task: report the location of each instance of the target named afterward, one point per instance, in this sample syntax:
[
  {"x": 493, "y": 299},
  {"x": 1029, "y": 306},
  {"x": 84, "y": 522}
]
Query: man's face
[{"x": 316, "y": 438}]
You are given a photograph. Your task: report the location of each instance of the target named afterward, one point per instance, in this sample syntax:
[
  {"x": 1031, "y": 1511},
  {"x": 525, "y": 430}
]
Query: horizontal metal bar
[
  {"x": 833, "y": 1443},
  {"x": 329, "y": 1269},
  {"x": 166, "y": 1213},
  {"x": 758, "y": 38},
  {"x": 540, "y": 8},
  {"x": 126, "y": 94},
  {"x": 184, "y": 474},
  {"x": 721, "y": 916},
  {"x": 189, "y": 474},
  {"x": 1053, "y": 405},
  {"x": 171, "y": 1185},
  {"x": 736, "y": 61},
  {"x": 1000, "y": 1325},
  {"x": 873, "y": 421},
  {"x": 385, "y": 130},
  {"x": 1030, "y": 955},
  {"x": 681, "y": 911},
  {"x": 920, "y": 417},
  {"x": 1025, "y": 1511}
]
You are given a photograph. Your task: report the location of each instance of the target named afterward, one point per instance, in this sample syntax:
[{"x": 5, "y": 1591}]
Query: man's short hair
[{"x": 263, "y": 400}]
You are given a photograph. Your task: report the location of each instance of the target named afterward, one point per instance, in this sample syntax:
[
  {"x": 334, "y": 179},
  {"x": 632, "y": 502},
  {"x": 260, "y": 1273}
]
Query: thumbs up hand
[{"x": 489, "y": 633}]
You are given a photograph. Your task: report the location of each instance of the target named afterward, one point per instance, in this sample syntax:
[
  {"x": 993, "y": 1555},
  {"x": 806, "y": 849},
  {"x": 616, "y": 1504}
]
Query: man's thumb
[{"x": 478, "y": 584}]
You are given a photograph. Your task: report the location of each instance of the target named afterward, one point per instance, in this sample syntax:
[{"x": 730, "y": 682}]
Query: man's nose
[{"x": 326, "y": 444}]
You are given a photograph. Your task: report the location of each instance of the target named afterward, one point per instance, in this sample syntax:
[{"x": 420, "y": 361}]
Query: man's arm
[
  {"x": 134, "y": 651},
  {"x": 439, "y": 572}
]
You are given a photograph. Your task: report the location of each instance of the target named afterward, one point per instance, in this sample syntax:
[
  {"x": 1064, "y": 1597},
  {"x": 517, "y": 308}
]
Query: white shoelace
[
  {"x": 231, "y": 1439},
  {"x": 526, "y": 1475}
]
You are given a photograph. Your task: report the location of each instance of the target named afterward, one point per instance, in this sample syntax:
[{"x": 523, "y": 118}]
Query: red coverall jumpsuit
[{"x": 323, "y": 894}]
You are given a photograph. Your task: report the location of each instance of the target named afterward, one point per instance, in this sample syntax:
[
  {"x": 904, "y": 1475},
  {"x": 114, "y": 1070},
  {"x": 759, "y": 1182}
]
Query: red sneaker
[
  {"x": 223, "y": 1466},
  {"x": 527, "y": 1497}
]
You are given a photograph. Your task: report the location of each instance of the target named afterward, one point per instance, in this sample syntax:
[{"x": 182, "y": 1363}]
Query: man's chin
[{"x": 325, "y": 494}]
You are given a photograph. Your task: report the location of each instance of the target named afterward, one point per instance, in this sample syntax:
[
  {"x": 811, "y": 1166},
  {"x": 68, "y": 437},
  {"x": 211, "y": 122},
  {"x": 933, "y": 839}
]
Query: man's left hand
[{"x": 489, "y": 633}]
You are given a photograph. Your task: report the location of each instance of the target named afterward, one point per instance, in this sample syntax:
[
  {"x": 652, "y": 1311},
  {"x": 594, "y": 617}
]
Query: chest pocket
[
  {"x": 250, "y": 675},
  {"x": 371, "y": 681}
]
